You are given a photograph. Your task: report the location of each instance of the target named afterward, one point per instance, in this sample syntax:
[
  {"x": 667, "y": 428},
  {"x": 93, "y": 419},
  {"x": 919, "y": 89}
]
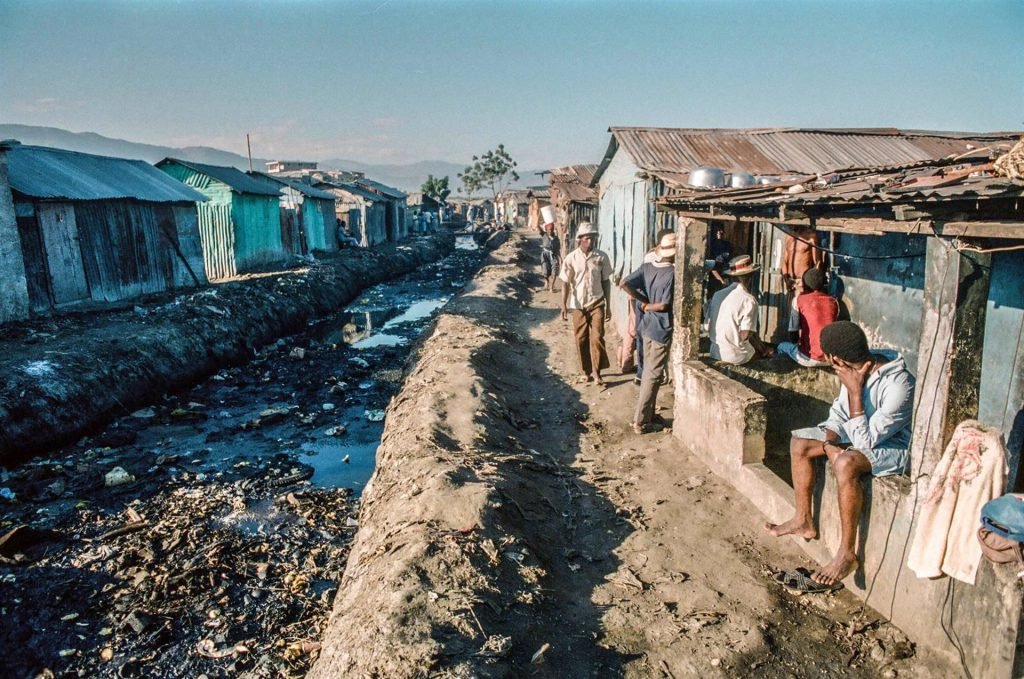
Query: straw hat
[
  {"x": 667, "y": 246},
  {"x": 741, "y": 265}
]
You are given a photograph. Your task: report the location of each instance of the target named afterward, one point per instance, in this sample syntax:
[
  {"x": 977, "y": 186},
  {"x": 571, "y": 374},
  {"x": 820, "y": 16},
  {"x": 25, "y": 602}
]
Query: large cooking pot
[
  {"x": 741, "y": 180},
  {"x": 707, "y": 177},
  {"x": 767, "y": 179}
]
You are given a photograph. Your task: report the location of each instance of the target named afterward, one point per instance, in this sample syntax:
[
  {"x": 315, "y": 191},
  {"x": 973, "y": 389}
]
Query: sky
[{"x": 400, "y": 81}]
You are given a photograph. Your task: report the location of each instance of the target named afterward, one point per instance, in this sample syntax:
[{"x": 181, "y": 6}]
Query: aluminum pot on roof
[
  {"x": 741, "y": 180},
  {"x": 707, "y": 177}
]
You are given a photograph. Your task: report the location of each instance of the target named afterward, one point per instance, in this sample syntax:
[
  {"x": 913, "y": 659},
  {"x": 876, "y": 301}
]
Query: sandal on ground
[
  {"x": 799, "y": 581},
  {"x": 637, "y": 428}
]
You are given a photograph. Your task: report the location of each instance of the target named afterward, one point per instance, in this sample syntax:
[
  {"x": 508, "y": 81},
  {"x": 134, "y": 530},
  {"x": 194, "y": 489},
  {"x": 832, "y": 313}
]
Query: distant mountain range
[{"x": 406, "y": 177}]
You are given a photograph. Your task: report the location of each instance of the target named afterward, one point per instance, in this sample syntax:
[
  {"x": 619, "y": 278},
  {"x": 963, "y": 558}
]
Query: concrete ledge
[
  {"x": 721, "y": 420},
  {"x": 722, "y": 417}
]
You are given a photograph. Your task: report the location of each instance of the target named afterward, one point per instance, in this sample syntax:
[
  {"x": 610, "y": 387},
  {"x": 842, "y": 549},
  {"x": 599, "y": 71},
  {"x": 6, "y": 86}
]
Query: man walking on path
[
  {"x": 651, "y": 286},
  {"x": 867, "y": 432},
  {"x": 586, "y": 291},
  {"x": 550, "y": 254}
]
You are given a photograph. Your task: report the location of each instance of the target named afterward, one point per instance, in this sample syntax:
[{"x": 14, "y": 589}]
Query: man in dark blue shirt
[{"x": 651, "y": 285}]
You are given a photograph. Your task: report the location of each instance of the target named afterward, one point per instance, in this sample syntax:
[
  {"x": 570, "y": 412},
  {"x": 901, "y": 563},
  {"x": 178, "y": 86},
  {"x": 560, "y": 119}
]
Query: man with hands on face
[{"x": 867, "y": 432}]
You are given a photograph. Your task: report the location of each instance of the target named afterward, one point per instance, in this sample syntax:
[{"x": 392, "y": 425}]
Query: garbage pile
[{"x": 178, "y": 574}]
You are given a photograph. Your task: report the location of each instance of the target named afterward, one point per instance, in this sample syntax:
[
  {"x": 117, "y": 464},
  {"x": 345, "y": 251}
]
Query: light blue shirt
[{"x": 888, "y": 409}]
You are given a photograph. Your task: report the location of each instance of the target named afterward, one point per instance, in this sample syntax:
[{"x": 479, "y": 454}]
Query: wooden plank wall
[{"x": 37, "y": 275}]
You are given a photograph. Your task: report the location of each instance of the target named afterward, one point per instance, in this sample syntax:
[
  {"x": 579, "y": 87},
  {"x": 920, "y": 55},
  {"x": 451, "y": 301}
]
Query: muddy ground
[
  {"x": 221, "y": 552},
  {"x": 516, "y": 526}
]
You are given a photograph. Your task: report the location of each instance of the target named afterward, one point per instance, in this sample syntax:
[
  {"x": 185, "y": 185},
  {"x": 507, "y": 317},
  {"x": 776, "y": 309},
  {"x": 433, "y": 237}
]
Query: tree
[
  {"x": 436, "y": 188},
  {"x": 494, "y": 170}
]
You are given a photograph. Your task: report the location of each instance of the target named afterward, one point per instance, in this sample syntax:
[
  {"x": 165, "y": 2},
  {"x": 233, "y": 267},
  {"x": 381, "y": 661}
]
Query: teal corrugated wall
[
  {"x": 315, "y": 216},
  {"x": 257, "y": 230}
]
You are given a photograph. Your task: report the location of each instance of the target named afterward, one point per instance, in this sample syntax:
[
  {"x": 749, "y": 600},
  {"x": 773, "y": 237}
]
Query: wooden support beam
[
  {"x": 691, "y": 249},
  {"x": 948, "y": 372}
]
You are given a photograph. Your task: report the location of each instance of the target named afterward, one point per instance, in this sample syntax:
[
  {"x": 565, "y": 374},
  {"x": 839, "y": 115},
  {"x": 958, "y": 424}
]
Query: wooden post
[
  {"x": 949, "y": 356},
  {"x": 691, "y": 250}
]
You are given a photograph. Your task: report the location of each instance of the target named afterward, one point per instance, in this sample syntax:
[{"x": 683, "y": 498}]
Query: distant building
[
  {"x": 240, "y": 224},
  {"x": 91, "y": 228},
  {"x": 573, "y": 198},
  {"x": 276, "y": 166}
]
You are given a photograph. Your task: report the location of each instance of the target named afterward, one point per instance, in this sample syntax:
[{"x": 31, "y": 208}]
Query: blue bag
[{"x": 1005, "y": 516}]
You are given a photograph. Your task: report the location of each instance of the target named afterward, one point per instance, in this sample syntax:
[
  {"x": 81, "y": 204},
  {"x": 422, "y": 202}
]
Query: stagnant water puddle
[{"x": 320, "y": 394}]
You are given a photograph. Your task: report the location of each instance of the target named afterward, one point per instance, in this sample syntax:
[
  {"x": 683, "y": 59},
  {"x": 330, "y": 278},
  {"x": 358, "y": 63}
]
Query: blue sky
[{"x": 399, "y": 81}]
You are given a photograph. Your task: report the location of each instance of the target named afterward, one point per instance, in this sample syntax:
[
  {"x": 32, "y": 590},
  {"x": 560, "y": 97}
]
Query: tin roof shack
[
  {"x": 514, "y": 206},
  {"x": 307, "y": 215},
  {"x": 930, "y": 260},
  {"x": 643, "y": 163},
  {"x": 363, "y": 212},
  {"x": 573, "y": 198},
  {"x": 394, "y": 210},
  {"x": 540, "y": 196},
  {"x": 240, "y": 224},
  {"x": 94, "y": 228}
]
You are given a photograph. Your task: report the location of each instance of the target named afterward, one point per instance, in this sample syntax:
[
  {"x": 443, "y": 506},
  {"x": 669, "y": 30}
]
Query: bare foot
[
  {"x": 794, "y": 526},
  {"x": 839, "y": 568}
]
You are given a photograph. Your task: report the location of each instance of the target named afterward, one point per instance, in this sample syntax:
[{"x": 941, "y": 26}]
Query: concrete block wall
[{"x": 14, "y": 303}]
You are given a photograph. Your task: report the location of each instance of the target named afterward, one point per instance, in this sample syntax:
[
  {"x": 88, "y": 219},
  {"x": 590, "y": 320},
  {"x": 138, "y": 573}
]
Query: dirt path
[{"x": 516, "y": 526}]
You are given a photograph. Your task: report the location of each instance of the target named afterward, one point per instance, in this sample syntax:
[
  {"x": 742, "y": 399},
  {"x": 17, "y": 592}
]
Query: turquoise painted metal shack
[
  {"x": 91, "y": 228},
  {"x": 307, "y": 214},
  {"x": 240, "y": 224}
]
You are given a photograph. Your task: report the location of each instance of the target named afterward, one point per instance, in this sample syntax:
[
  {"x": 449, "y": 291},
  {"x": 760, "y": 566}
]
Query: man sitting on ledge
[{"x": 867, "y": 431}]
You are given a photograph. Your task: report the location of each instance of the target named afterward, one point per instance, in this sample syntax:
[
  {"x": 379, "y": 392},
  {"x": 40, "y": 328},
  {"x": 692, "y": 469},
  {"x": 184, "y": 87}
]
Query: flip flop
[{"x": 799, "y": 581}]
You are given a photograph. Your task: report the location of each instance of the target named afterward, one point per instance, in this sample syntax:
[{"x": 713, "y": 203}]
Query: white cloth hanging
[{"x": 972, "y": 471}]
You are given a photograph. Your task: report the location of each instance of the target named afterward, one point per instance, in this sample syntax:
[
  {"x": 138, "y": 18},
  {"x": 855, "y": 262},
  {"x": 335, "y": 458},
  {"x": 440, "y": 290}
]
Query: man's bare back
[{"x": 799, "y": 255}]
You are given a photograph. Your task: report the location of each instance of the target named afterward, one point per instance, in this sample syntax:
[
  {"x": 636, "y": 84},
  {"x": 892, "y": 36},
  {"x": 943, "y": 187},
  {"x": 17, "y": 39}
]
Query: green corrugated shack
[
  {"x": 240, "y": 226},
  {"x": 307, "y": 214}
]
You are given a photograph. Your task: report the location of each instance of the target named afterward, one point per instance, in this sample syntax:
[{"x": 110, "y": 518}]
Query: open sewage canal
[{"x": 206, "y": 534}]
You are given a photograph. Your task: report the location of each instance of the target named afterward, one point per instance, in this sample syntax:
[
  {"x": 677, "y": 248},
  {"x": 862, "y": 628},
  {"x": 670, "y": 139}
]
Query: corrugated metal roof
[
  {"x": 582, "y": 174},
  {"x": 355, "y": 190},
  {"x": 234, "y": 178},
  {"x": 782, "y": 151},
  {"x": 388, "y": 191},
  {"x": 935, "y": 184},
  {"x": 297, "y": 184},
  {"x": 41, "y": 172}
]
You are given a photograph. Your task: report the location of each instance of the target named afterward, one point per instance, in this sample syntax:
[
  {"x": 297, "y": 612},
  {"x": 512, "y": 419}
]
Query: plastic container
[{"x": 547, "y": 214}]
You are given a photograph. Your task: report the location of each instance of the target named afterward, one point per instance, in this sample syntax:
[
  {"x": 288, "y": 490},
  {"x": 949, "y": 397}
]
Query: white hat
[{"x": 586, "y": 229}]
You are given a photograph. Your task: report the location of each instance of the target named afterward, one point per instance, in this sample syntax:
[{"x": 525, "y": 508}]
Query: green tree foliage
[
  {"x": 494, "y": 170},
  {"x": 436, "y": 188}
]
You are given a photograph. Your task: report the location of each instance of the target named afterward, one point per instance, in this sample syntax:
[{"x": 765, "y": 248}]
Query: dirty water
[{"x": 218, "y": 551}]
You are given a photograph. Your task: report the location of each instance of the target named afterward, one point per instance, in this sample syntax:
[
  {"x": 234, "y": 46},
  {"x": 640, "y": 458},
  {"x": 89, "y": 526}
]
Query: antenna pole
[{"x": 248, "y": 145}]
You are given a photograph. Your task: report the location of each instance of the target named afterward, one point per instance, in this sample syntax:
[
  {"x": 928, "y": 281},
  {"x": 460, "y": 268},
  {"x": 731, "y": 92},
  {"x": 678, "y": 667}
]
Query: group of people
[{"x": 869, "y": 424}]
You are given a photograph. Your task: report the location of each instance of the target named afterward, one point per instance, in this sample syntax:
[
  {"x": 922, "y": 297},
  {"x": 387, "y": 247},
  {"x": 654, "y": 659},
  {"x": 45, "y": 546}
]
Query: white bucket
[{"x": 547, "y": 215}]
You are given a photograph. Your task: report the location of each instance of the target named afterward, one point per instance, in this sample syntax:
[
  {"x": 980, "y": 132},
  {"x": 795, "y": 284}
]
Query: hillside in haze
[{"x": 406, "y": 177}]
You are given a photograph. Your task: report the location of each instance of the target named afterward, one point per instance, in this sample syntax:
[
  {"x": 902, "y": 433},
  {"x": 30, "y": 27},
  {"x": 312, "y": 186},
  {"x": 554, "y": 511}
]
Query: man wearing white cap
[
  {"x": 586, "y": 291},
  {"x": 732, "y": 317}
]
